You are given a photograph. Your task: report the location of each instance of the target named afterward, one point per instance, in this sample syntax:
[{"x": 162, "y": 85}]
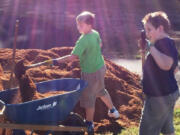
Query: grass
[
  {"x": 134, "y": 130},
  {"x": 130, "y": 131},
  {"x": 177, "y": 121}
]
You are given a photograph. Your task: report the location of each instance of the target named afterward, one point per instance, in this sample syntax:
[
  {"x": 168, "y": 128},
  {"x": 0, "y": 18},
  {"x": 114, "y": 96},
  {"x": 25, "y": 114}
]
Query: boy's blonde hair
[
  {"x": 156, "y": 19},
  {"x": 86, "y": 17}
]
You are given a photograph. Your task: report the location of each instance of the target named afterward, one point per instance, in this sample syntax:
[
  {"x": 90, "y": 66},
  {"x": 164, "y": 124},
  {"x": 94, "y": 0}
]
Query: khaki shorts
[{"x": 94, "y": 89}]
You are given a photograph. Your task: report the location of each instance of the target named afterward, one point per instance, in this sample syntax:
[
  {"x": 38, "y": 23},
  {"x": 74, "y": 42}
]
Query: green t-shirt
[{"x": 89, "y": 51}]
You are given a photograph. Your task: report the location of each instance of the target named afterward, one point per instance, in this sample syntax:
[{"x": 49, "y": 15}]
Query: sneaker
[
  {"x": 113, "y": 113},
  {"x": 90, "y": 127}
]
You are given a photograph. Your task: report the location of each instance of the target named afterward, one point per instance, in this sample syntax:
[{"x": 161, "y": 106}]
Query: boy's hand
[
  {"x": 142, "y": 42},
  {"x": 51, "y": 62},
  {"x": 48, "y": 62},
  {"x": 149, "y": 44}
]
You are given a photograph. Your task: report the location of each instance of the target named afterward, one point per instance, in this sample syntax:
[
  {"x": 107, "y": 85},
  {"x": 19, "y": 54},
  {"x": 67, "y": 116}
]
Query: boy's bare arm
[
  {"x": 163, "y": 61},
  {"x": 176, "y": 70},
  {"x": 101, "y": 45}
]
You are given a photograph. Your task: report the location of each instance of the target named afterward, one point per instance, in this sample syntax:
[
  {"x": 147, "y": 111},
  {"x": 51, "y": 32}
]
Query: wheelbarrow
[{"x": 46, "y": 113}]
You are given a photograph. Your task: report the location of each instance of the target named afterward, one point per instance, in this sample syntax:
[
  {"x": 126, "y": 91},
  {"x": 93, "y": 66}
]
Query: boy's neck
[
  {"x": 163, "y": 35},
  {"x": 89, "y": 31}
]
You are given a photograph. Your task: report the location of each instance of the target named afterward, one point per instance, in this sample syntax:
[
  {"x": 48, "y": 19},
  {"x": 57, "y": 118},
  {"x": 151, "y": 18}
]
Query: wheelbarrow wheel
[{"x": 73, "y": 119}]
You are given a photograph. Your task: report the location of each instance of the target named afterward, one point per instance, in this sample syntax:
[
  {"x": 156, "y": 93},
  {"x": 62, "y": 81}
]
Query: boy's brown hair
[
  {"x": 86, "y": 17},
  {"x": 156, "y": 19}
]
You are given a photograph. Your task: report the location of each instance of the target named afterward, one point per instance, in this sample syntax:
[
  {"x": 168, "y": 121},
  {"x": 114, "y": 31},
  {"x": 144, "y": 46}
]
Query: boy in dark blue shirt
[{"x": 159, "y": 83}]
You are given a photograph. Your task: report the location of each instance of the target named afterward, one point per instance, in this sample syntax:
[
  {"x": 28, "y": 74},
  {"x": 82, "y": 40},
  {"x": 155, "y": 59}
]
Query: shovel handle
[{"x": 47, "y": 63}]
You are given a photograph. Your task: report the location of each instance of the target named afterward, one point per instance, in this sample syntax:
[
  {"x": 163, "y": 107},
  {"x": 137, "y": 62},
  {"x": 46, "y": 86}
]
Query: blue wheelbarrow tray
[{"x": 46, "y": 111}]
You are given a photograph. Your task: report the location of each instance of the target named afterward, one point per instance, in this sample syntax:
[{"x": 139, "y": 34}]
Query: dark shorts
[
  {"x": 157, "y": 115},
  {"x": 94, "y": 89}
]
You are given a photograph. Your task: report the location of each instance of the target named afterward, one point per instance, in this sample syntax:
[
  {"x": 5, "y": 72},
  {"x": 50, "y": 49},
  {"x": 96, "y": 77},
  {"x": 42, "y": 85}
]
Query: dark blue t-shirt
[{"x": 158, "y": 82}]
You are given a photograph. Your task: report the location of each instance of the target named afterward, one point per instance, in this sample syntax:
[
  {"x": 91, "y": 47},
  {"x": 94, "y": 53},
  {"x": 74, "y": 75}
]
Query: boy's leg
[
  {"x": 89, "y": 120},
  {"x": 107, "y": 100},
  {"x": 105, "y": 97},
  {"x": 90, "y": 114},
  {"x": 157, "y": 115},
  {"x": 88, "y": 98},
  {"x": 168, "y": 127},
  {"x": 103, "y": 93},
  {"x": 148, "y": 124}
]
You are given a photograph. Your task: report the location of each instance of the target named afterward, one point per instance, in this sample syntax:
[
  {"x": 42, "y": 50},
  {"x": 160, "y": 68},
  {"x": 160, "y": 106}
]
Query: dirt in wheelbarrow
[{"x": 122, "y": 85}]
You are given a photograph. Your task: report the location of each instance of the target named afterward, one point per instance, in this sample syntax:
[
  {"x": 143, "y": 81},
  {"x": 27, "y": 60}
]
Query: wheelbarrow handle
[
  {"x": 46, "y": 63},
  {"x": 2, "y": 107}
]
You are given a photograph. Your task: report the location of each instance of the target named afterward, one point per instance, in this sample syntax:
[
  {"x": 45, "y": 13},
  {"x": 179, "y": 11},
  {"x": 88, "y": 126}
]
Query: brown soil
[{"x": 122, "y": 85}]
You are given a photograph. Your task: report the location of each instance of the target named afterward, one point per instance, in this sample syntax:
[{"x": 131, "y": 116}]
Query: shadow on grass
[{"x": 113, "y": 127}]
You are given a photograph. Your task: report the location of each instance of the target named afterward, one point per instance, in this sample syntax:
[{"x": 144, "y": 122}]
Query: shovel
[
  {"x": 14, "y": 51},
  {"x": 20, "y": 68},
  {"x": 142, "y": 45},
  {"x": 49, "y": 62}
]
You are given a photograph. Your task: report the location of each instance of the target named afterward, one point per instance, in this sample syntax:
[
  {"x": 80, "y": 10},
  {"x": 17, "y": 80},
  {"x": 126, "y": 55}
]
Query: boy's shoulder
[
  {"x": 95, "y": 31},
  {"x": 166, "y": 40},
  {"x": 94, "y": 34},
  {"x": 83, "y": 37},
  {"x": 165, "y": 43}
]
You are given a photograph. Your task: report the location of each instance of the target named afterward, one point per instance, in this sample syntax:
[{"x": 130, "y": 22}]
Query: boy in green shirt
[{"x": 88, "y": 51}]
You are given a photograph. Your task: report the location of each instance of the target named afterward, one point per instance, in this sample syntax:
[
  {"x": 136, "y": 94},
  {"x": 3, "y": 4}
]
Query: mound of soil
[{"x": 122, "y": 85}]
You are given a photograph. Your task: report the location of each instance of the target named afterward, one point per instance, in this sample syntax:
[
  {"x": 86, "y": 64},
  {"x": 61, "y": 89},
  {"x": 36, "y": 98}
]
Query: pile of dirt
[
  {"x": 27, "y": 88},
  {"x": 122, "y": 85}
]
